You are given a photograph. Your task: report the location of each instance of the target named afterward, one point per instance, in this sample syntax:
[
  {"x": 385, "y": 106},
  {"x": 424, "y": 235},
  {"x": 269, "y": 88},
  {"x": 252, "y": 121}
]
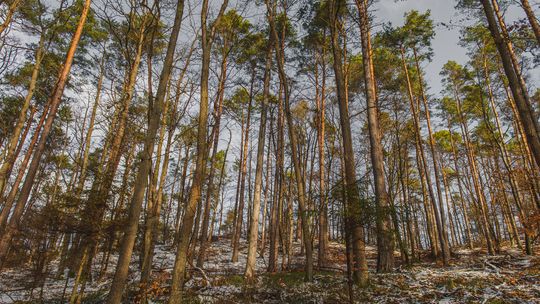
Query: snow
[{"x": 472, "y": 276}]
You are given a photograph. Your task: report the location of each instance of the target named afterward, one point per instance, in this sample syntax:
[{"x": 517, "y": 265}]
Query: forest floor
[{"x": 471, "y": 277}]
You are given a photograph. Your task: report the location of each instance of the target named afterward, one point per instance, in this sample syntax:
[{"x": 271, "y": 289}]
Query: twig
[{"x": 203, "y": 274}]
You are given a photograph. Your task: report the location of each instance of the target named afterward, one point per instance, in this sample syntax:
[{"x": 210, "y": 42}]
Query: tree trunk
[
  {"x": 532, "y": 19},
  {"x": 323, "y": 205},
  {"x": 256, "y": 205},
  {"x": 243, "y": 171},
  {"x": 525, "y": 110},
  {"x": 54, "y": 103},
  {"x": 293, "y": 141},
  {"x": 385, "y": 241},
  {"x": 8, "y": 155},
  {"x": 278, "y": 192},
  {"x": 12, "y": 8},
  {"x": 355, "y": 241},
  {"x": 209, "y": 192},
  {"x": 141, "y": 182},
  {"x": 180, "y": 262}
]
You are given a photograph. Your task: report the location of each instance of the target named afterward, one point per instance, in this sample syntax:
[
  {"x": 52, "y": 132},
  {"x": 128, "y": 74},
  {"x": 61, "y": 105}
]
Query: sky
[{"x": 446, "y": 42}]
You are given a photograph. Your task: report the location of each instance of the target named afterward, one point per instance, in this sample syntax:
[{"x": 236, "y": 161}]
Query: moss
[
  {"x": 287, "y": 278},
  {"x": 234, "y": 280}
]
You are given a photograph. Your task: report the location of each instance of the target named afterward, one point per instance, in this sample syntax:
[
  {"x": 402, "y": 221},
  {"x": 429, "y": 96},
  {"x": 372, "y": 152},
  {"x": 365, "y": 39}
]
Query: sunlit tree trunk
[
  {"x": 12, "y": 8},
  {"x": 253, "y": 234},
  {"x": 54, "y": 103},
  {"x": 8, "y": 156},
  {"x": 434, "y": 158},
  {"x": 300, "y": 184},
  {"x": 141, "y": 182},
  {"x": 275, "y": 211},
  {"x": 180, "y": 262},
  {"x": 323, "y": 205},
  {"x": 210, "y": 190},
  {"x": 525, "y": 110},
  {"x": 242, "y": 189},
  {"x": 351, "y": 194},
  {"x": 532, "y": 19},
  {"x": 385, "y": 239}
]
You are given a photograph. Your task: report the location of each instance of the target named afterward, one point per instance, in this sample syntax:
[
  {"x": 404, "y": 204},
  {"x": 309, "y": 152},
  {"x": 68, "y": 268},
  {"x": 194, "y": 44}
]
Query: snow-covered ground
[{"x": 472, "y": 277}]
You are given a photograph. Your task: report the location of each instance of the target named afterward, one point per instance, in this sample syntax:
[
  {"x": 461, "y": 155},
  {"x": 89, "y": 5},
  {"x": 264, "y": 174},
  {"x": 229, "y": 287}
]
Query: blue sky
[{"x": 446, "y": 42}]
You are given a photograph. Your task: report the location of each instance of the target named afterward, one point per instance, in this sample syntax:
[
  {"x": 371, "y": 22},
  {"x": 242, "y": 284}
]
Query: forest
[{"x": 269, "y": 151}]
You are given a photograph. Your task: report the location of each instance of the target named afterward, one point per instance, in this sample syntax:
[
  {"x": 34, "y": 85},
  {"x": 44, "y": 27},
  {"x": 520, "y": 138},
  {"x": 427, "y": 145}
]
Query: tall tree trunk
[
  {"x": 355, "y": 231},
  {"x": 54, "y": 103},
  {"x": 525, "y": 110},
  {"x": 278, "y": 191},
  {"x": 253, "y": 234},
  {"x": 243, "y": 171},
  {"x": 300, "y": 185},
  {"x": 12, "y": 8},
  {"x": 323, "y": 205},
  {"x": 180, "y": 262},
  {"x": 385, "y": 240},
  {"x": 218, "y": 110},
  {"x": 532, "y": 19},
  {"x": 8, "y": 156},
  {"x": 141, "y": 182}
]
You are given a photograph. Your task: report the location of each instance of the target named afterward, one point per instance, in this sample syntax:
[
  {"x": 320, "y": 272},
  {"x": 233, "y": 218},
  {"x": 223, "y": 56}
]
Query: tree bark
[
  {"x": 141, "y": 182},
  {"x": 12, "y": 8},
  {"x": 243, "y": 171},
  {"x": 525, "y": 110},
  {"x": 532, "y": 19},
  {"x": 54, "y": 102},
  {"x": 218, "y": 110},
  {"x": 323, "y": 205},
  {"x": 9, "y": 154},
  {"x": 300, "y": 185},
  {"x": 385, "y": 240},
  {"x": 180, "y": 262},
  {"x": 253, "y": 235}
]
